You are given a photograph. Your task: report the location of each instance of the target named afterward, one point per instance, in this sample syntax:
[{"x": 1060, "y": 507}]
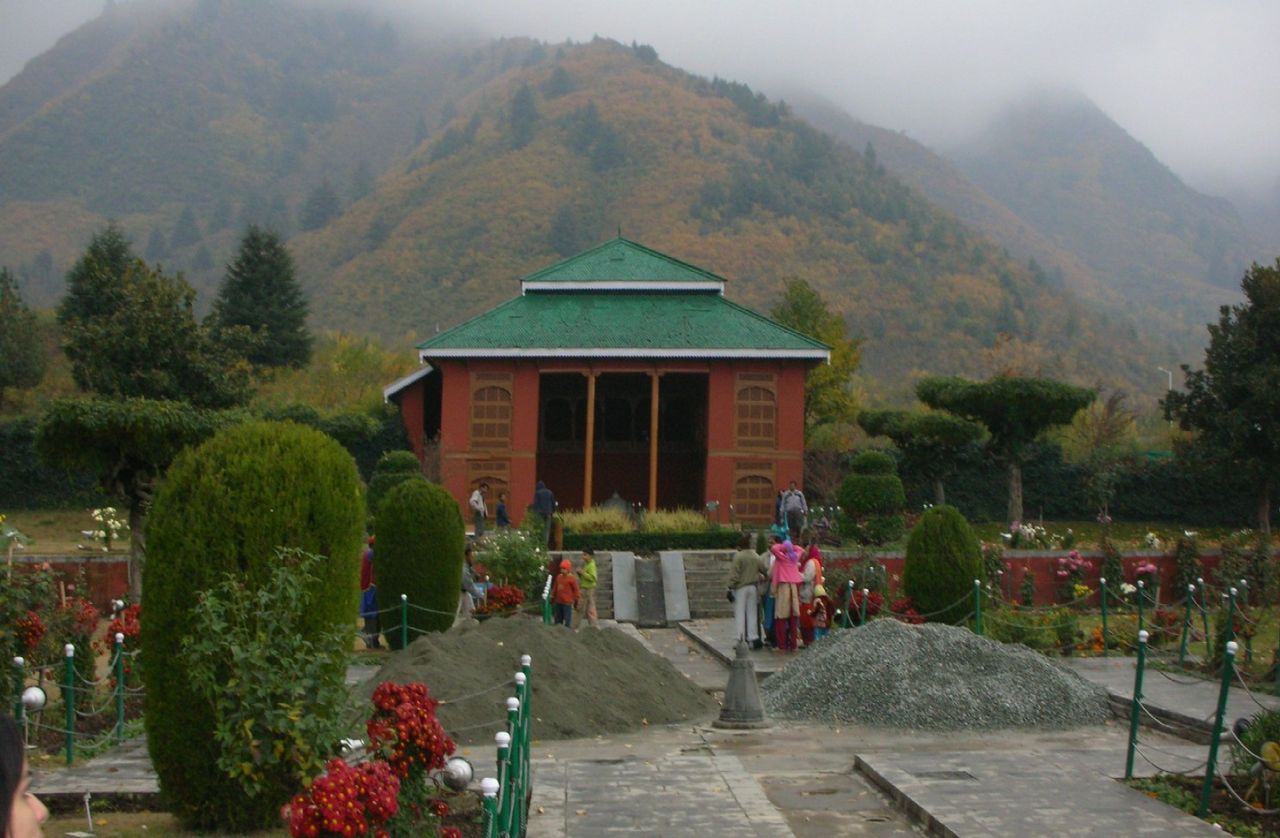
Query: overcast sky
[{"x": 1197, "y": 82}]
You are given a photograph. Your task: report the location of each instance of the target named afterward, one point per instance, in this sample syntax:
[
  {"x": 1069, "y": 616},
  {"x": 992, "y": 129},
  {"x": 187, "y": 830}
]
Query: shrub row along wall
[
  {"x": 27, "y": 483},
  {"x": 1147, "y": 490}
]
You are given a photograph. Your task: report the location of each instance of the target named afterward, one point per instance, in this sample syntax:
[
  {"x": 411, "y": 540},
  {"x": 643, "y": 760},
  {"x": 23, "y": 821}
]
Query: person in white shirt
[{"x": 479, "y": 511}]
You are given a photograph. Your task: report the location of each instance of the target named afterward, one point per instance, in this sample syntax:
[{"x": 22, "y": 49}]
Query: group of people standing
[
  {"x": 544, "y": 506},
  {"x": 778, "y": 597}
]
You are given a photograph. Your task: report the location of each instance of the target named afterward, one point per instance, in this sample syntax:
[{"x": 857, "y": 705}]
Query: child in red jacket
[{"x": 564, "y": 594}]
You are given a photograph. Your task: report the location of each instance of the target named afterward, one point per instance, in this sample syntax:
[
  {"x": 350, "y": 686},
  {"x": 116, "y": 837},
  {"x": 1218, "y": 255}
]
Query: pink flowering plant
[
  {"x": 1149, "y": 575},
  {"x": 1070, "y": 573}
]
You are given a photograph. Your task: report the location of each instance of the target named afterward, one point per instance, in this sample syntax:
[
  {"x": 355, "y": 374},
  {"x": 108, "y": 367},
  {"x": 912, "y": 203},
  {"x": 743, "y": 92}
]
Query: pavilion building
[{"x": 618, "y": 371}]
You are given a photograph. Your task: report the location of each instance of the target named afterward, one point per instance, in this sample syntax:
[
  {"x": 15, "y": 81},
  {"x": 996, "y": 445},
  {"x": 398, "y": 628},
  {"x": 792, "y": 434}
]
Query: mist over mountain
[{"x": 418, "y": 175}]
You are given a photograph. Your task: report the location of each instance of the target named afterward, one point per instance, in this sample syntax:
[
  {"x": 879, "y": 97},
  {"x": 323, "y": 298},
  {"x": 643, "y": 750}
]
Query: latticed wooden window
[
  {"x": 757, "y": 411},
  {"x": 491, "y": 411},
  {"x": 753, "y": 497}
]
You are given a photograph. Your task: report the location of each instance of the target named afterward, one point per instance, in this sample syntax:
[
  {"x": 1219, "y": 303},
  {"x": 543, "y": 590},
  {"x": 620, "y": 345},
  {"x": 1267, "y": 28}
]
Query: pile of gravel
[
  {"x": 584, "y": 684},
  {"x": 936, "y": 677}
]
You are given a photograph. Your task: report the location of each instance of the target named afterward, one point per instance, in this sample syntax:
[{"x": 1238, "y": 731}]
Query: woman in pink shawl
[{"x": 784, "y": 586}]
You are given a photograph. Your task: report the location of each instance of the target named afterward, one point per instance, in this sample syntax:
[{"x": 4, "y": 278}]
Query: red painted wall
[{"x": 105, "y": 577}]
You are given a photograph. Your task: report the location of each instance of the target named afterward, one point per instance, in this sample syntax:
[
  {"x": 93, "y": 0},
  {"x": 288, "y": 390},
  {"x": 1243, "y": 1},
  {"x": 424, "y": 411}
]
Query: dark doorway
[{"x": 622, "y": 434}]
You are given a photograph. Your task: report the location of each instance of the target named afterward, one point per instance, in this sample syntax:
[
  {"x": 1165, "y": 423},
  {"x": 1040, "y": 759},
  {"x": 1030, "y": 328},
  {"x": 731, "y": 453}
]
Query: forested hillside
[
  {"x": 1068, "y": 170},
  {"x": 418, "y": 179}
]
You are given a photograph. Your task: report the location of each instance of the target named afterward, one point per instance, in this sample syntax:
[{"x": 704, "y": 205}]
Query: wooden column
[
  {"x": 591, "y": 440},
  {"x": 654, "y": 378}
]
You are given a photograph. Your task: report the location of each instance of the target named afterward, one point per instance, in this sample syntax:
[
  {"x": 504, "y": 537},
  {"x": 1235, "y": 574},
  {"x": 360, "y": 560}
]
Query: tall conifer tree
[
  {"x": 260, "y": 293},
  {"x": 22, "y": 358}
]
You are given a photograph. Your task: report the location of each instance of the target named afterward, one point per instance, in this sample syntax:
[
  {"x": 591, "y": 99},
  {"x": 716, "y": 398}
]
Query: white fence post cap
[
  {"x": 503, "y": 739},
  {"x": 69, "y": 650},
  {"x": 513, "y": 704},
  {"x": 525, "y": 660},
  {"x": 1232, "y": 647},
  {"x": 1142, "y": 636},
  {"x": 520, "y": 679},
  {"x": 489, "y": 787}
]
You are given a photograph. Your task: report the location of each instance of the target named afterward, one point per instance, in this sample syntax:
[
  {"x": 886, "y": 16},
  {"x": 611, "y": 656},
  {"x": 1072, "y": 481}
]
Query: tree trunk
[
  {"x": 1015, "y": 491},
  {"x": 1264, "y": 509},
  {"x": 137, "y": 546},
  {"x": 939, "y": 493}
]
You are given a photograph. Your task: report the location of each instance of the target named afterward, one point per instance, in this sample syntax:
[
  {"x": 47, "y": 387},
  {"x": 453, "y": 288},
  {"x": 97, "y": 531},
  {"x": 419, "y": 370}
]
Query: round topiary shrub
[
  {"x": 393, "y": 468},
  {"x": 873, "y": 461},
  {"x": 420, "y": 542},
  {"x": 943, "y": 559},
  {"x": 224, "y": 508}
]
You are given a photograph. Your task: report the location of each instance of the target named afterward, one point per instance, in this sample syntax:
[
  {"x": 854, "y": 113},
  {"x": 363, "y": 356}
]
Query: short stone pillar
[{"x": 742, "y": 709}]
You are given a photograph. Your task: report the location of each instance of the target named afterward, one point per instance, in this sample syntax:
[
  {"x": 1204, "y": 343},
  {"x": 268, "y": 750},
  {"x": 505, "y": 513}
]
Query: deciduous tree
[
  {"x": 1014, "y": 410},
  {"x": 829, "y": 395},
  {"x": 1233, "y": 403}
]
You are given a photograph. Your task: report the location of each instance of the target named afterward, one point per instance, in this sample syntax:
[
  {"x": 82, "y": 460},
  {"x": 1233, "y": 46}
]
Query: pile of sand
[{"x": 584, "y": 684}]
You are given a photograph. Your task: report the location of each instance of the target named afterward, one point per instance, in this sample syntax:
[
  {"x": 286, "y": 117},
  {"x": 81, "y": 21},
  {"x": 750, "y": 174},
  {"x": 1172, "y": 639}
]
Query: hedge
[
  {"x": 27, "y": 483},
  {"x": 419, "y": 555},
  {"x": 652, "y": 542}
]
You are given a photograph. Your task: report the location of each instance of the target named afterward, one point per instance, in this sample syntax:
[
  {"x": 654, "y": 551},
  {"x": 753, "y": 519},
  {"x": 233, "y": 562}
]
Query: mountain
[
  {"x": 418, "y": 177},
  {"x": 1065, "y": 168}
]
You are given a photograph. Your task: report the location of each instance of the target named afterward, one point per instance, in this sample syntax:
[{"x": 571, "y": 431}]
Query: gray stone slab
[
  {"x": 1001, "y": 794},
  {"x": 626, "y": 609},
  {"x": 717, "y": 637},
  {"x": 649, "y": 593},
  {"x": 674, "y": 590}
]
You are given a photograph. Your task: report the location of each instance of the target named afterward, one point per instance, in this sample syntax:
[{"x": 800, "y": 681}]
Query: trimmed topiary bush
[
  {"x": 943, "y": 559},
  {"x": 420, "y": 542},
  {"x": 393, "y": 468},
  {"x": 224, "y": 508},
  {"x": 873, "y": 461}
]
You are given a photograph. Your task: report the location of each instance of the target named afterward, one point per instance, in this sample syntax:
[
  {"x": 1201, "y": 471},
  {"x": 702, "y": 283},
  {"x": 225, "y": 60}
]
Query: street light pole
[{"x": 1170, "y": 389}]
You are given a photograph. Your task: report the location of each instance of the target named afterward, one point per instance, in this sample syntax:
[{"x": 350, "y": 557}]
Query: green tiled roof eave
[
  {"x": 622, "y": 260},
  {"x": 641, "y": 324}
]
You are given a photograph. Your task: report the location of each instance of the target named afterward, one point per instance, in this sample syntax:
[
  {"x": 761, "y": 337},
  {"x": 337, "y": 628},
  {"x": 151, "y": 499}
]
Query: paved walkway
[{"x": 812, "y": 781}]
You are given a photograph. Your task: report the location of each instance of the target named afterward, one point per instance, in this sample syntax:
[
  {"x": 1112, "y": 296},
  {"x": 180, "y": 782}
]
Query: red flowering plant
[
  {"x": 29, "y": 630},
  {"x": 905, "y": 611},
  {"x": 346, "y": 802},
  {"x": 1070, "y": 574},
  {"x": 126, "y": 621},
  {"x": 501, "y": 599},
  {"x": 875, "y": 601},
  {"x": 405, "y": 732}
]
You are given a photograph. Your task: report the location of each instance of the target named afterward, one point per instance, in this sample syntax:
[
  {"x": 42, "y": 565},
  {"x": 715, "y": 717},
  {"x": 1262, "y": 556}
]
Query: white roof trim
[
  {"x": 495, "y": 352},
  {"x": 401, "y": 383},
  {"x": 620, "y": 285}
]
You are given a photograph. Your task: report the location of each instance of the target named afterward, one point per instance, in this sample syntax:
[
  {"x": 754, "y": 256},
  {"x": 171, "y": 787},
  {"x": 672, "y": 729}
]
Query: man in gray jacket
[{"x": 745, "y": 571}]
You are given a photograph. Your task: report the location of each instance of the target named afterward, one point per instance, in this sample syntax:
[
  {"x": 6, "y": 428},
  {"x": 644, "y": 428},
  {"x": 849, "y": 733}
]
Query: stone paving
[
  {"x": 718, "y": 637},
  {"x": 811, "y": 781}
]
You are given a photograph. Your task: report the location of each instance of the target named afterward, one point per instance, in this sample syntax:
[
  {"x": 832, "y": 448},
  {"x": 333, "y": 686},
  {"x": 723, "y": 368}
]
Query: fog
[{"x": 1198, "y": 82}]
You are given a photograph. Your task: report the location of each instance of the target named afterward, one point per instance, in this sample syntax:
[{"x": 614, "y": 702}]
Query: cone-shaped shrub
[
  {"x": 224, "y": 508},
  {"x": 943, "y": 559},
  {"x": 420, "y": 541},
  {"x": 872, "y": 487},
  {"x": 393, "y": 468}
]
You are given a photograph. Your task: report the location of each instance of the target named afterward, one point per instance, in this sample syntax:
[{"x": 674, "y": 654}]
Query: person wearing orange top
[{"x": 565, "y": 594}]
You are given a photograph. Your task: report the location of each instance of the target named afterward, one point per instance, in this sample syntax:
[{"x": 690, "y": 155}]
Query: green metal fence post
[
  {"x": 1136, "y": 706},
  {"x": 546, "y": 602},
  {"x": 489, "y": 802},
  {"x": 862, "y": 607},
  {"x": 526, "y": 712},
  {"x": 503, "y": 740},
  {"x": 404, "y": 621},
  {"x": 19, "y": 682},
  {"x": 1228, "y": 665},
  {"x": 119, "y": 666},
  {"x": 69, "y": 699},
  {"x": 1231, "y": 614},
  {"x": 848, "y": 605},
  {"x": 1106, "y": 635},
  {"x": 977, "y": 607},
  {"x": 1204, "y": 619},
  {"x": 1142, "y": 601},
  {"x": 1186, "y": 627},
  {"x": 515, "y": 784}
]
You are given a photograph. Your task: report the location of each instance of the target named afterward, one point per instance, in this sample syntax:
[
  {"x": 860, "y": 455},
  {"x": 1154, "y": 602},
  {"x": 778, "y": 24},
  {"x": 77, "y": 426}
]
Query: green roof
[
  {"x": 622, "y": 260},
  {"x": 622, "y": 325}
]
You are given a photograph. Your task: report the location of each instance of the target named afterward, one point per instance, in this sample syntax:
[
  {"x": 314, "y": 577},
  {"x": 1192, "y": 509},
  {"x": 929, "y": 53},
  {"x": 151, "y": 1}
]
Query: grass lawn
[{"x": 57, "y": 531}]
